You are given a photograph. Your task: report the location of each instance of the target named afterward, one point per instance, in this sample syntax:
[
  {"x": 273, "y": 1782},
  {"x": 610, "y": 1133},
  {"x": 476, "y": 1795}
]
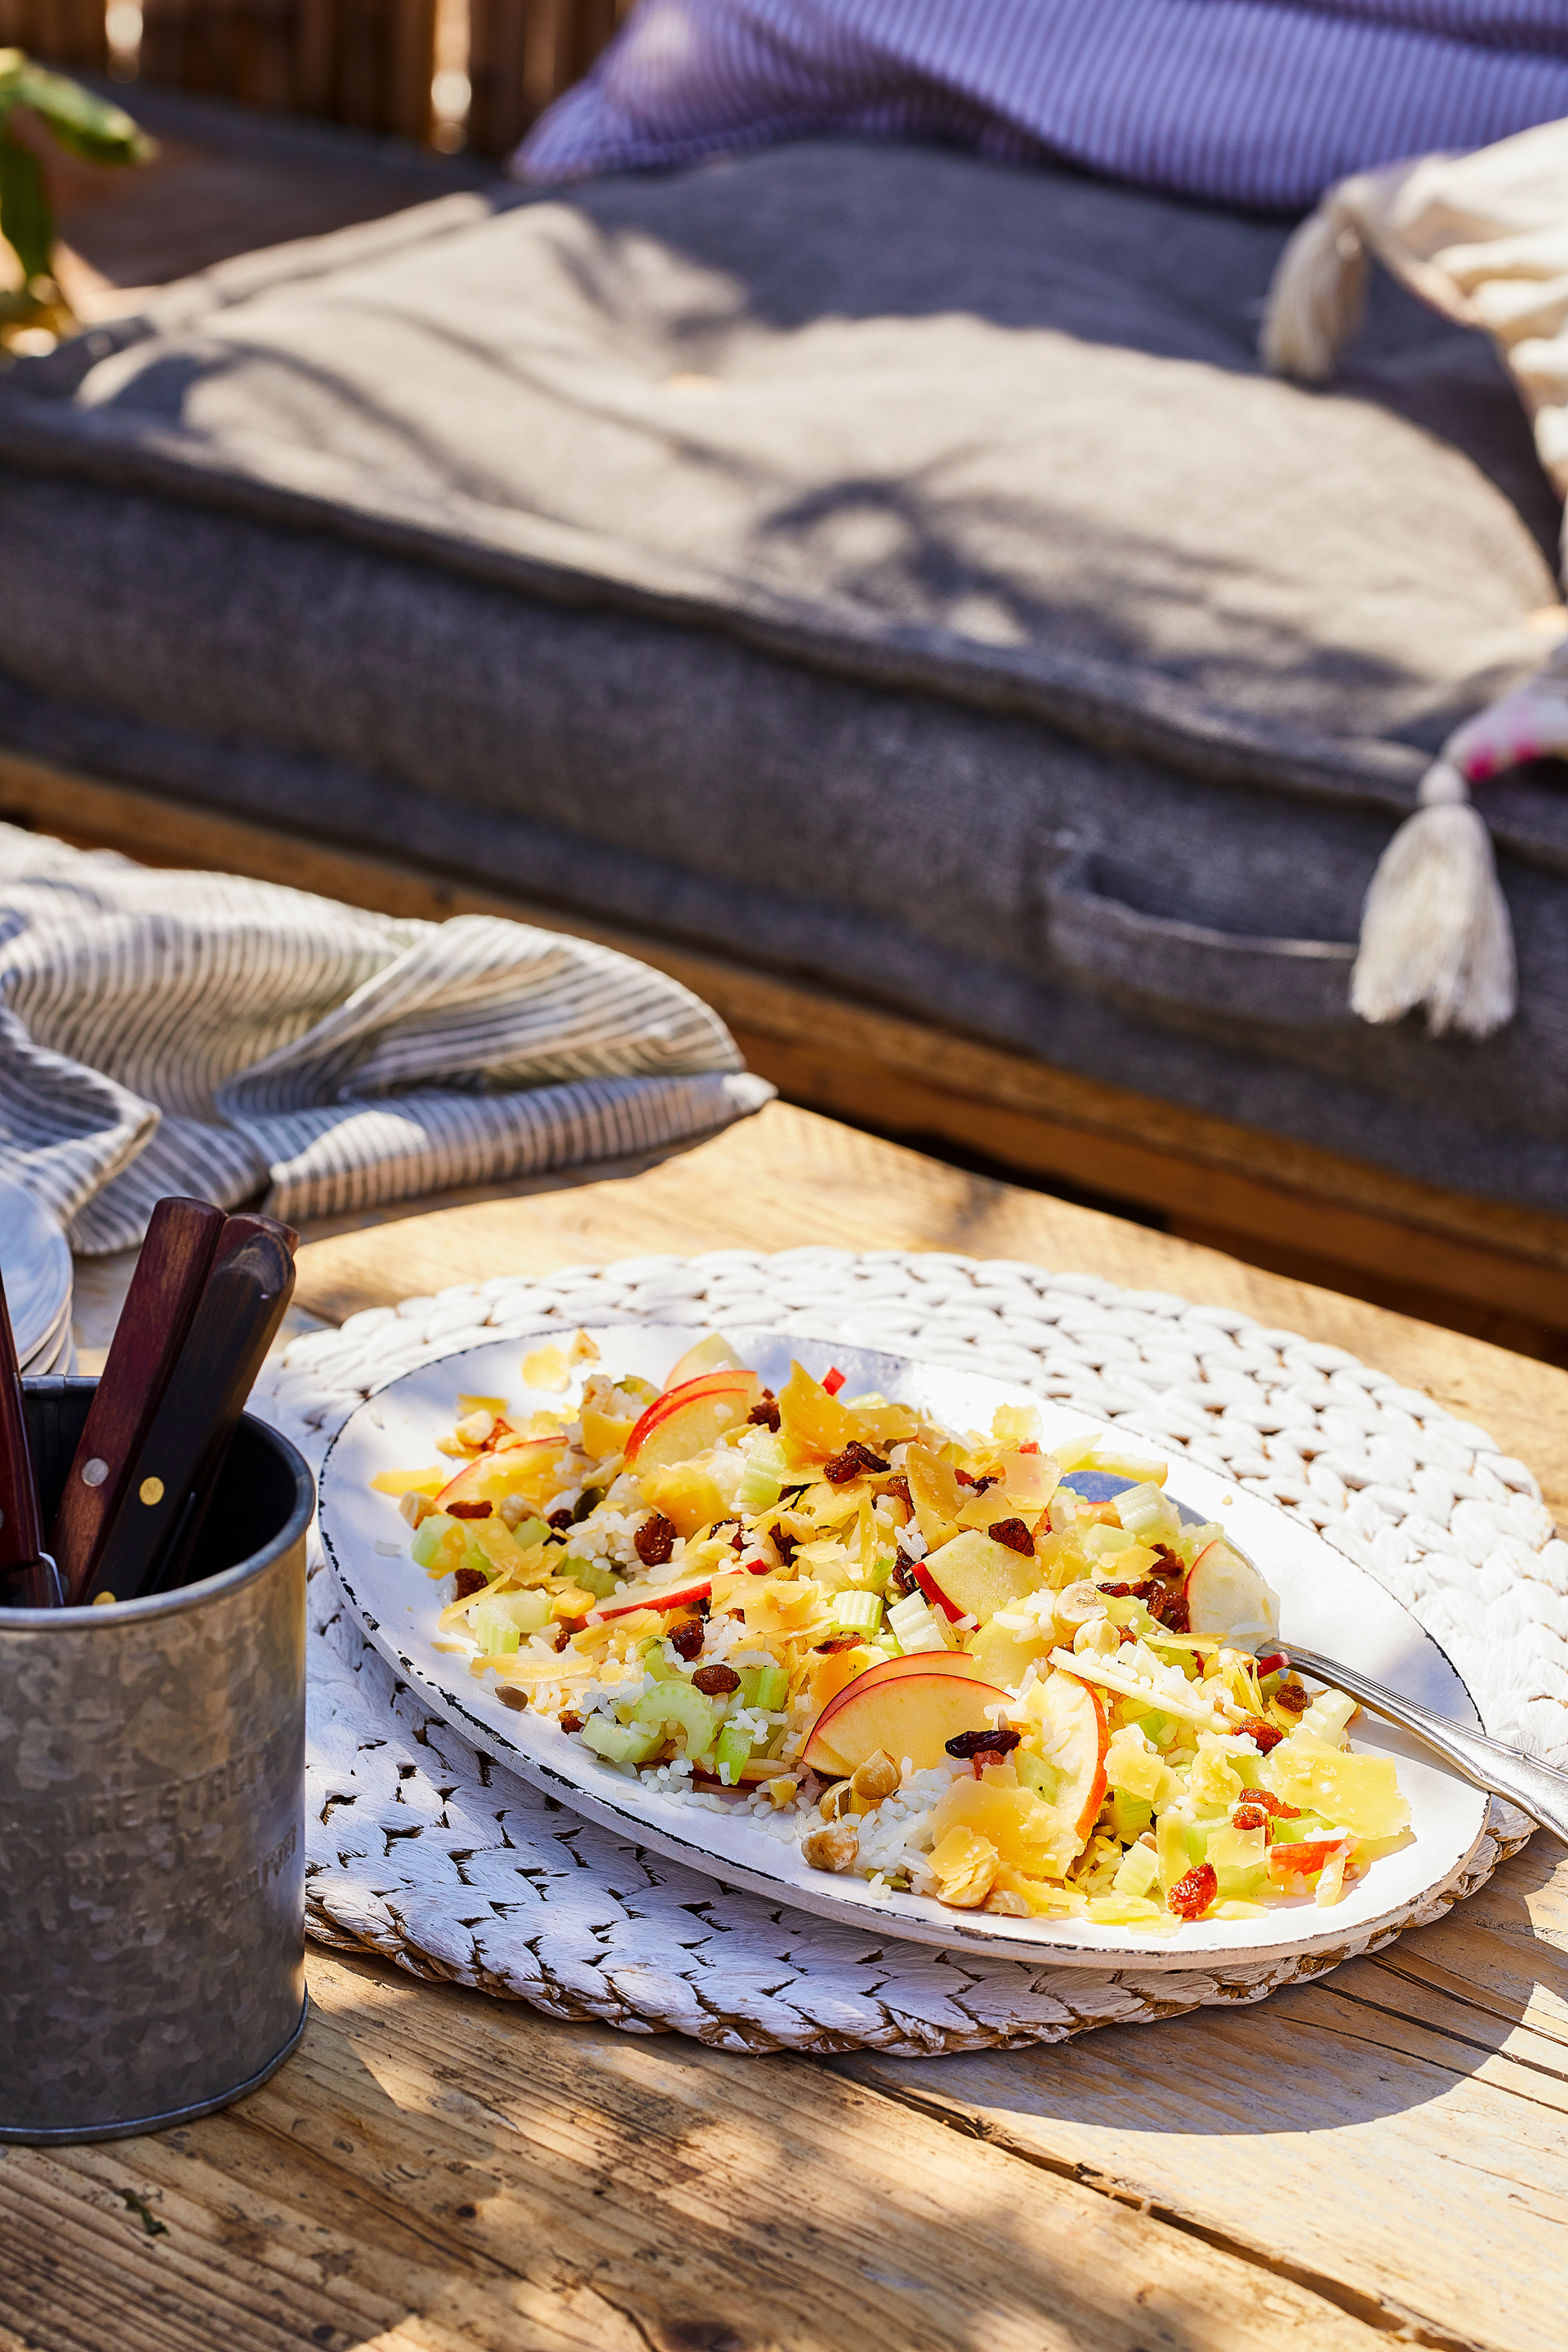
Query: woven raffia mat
[{"x": 428, "y": 1851}]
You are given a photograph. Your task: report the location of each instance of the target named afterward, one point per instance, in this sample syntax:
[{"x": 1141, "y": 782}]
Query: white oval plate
[{"x": 1326, "y": 1603}]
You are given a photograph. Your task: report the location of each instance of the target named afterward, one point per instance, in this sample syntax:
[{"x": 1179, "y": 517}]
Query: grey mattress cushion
[{"x": 885, "y": 564}]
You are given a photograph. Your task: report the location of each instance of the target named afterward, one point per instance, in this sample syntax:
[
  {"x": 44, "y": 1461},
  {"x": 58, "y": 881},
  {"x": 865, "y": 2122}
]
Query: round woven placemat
[{"x": 422, "y": 1848}]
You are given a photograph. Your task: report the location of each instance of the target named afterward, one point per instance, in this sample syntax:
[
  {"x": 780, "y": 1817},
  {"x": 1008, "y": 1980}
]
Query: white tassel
[
  {"x": 1435, "y": 929},
  {"x": 1317, "y": 293}
]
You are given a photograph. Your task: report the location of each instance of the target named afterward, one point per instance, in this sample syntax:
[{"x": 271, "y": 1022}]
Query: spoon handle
[{"x": 1536, "y": 1788}]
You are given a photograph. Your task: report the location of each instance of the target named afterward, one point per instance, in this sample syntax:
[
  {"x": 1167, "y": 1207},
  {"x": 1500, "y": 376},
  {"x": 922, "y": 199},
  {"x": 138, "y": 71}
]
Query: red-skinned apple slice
[
  {"x": 664, "y": 1596},
  {"x": 887, "y": 1670},
  {"x": 1075, "y": 1736},
  {"x": 1305, "y": 1857},
  {"x": 713, "y": 1354},
  {"x": 973, "y": 1575},
  {"x": 517, "y": 1470},
  {"x": 1226, "y": 1595},
  {"x": 911, "y": 1716},
  {"x": 690, "y": 1420}
]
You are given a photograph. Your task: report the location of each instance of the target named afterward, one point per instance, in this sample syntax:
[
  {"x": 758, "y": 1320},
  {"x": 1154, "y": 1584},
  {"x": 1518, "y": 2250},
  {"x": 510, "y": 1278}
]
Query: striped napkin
[{"x": 195, "y": 1033}]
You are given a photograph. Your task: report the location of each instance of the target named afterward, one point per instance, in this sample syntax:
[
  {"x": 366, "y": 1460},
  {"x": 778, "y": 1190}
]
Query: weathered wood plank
[
  {"x": 440, "y": 2170},
  {"x": 788, "y": 1177},
  {"x": 1396, "y": 2127}
]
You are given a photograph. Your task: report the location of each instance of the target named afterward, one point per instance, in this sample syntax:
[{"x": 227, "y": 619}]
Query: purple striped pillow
[{"x": 1261, "y": 102}]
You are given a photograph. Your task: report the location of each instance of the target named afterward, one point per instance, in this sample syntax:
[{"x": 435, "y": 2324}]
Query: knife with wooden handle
[
  {"x": 28, "y": 1576},
  {"x": 171, "y": 1483},
  {"x": 154, "y": 1323}
]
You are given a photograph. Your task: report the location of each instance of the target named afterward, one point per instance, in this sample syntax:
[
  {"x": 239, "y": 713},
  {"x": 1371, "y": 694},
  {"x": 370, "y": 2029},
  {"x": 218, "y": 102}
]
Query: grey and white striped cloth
[
  {"x": 1239, "y": 101},
  {"x": 195, "y": 1033}
]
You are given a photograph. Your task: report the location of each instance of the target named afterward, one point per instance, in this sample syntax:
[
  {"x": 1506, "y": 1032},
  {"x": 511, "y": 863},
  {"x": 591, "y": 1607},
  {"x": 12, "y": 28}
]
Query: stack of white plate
[{"x": 35, "y": 1261}]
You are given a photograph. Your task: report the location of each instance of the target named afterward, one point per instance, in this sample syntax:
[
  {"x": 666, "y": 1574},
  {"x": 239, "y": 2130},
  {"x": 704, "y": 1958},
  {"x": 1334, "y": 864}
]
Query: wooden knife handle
[
  {"x": 154, "y": 1323},
  {"x": 21, "y": 1532},
  {"x": 245, "y": 1300}
]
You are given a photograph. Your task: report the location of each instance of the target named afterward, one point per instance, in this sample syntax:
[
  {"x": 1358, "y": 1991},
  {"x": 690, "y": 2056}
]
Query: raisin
[
  {"x": 470, "y": 1510},
  {"x": 1264, "y": 1736},
  {"x": 899, "y": 1485},
  {"x": 654, "y": 1541},
  {"x": 983, "y": 1743},
  {"x": 1191, "y": 1897},
  {"x": 738, "y": 1541},
  {"x": 559, "y": 1519},
  {"x": 1293, "y": 1698},
  {"x": 901, "y": 1574},
  {"x": 702, "y": 1605},
  {"x": 979, "y": 1485},
  {"x": 512, "y": 1697},
  {"x": 1248, "y": 1817},
  {"x": 560, "y": 1638},
  {"x": 784, "y": 1545},
  {"x": 469, "y": 1579},
  {"x": 839, "y": 1642},
  {"x": 686, "y": 1639},
  {"x": 713, "y": 1681},
  {"x": 855, "y": 1461},
  {"x": 1268, "y": 1803},
  {"x": 1169, "y": 1609},
  {"x": 764, "y": 1414},
  {"x": 571, "y": 1720},
  {"x": 1013, "y": 1533}
]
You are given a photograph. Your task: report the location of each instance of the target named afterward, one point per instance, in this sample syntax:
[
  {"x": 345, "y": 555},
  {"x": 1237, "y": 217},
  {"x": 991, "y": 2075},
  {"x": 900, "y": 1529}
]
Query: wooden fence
[{"x": 368, "y": 62}]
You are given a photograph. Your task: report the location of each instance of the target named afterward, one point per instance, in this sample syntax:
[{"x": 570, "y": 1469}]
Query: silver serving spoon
[{"x": 1536, "y": 1789}]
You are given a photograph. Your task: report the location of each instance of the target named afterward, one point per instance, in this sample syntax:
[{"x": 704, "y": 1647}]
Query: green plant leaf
[
  {"x": 88, "y": 126},
  {"x": 25, "y": 222}
]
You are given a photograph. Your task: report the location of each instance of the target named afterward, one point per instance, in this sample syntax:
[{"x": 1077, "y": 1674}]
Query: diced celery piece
[
  {"x": 652, "y": 1660},
  {"x": 478, "y": 1561},
  {"x": 1130, "y": 1817},
  {"x": 1240, "y": 1886},
  {"x": 1101, "y": 1542},
  {"x": 1145, "y": 1513},
  {"x": 1326, "y": 1719},
  {"x": 678, "y": 1705},
  {"x": 857, "y": 1612},
  {"x": 439, "y": 1543},
  {"x": 1197, "y": 1835},
  {"x": 772, "y": 1689},
  {"x": 1138, "y": 1871},
  {"x": 622, "y": 1743},
  {"x": 526, "y": 1613},
  {"x": 1036, "y": 1774},
  {"x": 730, "y": 1751},
  {"x": 764, "y": 1686},
  {"x": 762, "y": 1481},
  {"x": 1308, "y": 1825},
  {"x": 913, "y": 1624},
  {"x": 593, "y": 1575},
  {"x": 493, "y": 1630},
  {"x": 528, "y": 1532}
]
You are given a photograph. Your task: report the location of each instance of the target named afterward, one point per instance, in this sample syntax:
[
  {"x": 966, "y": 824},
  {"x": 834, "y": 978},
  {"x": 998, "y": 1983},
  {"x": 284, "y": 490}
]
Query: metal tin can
[{"x": 152, "y": 1815}]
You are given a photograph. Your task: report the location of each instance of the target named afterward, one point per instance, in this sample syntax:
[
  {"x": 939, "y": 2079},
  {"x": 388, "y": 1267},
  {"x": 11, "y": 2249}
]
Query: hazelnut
[
  {"x": 837, "y": 1848},
  {"x": 877, "y": 1777},
  {"x": 415, "y": 1508}
]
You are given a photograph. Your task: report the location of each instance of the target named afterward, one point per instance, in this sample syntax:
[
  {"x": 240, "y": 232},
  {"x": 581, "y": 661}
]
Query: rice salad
[{"x": 944, "y": 1662}]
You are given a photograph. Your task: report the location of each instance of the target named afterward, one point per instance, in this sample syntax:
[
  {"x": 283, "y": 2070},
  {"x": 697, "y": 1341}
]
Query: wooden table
[{"x": 1379, "y": 2154}]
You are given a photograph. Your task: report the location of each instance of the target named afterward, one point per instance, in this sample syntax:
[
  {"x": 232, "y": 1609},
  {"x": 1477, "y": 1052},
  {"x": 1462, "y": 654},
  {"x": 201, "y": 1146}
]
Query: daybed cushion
[{"x": 881, "y": 563}]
